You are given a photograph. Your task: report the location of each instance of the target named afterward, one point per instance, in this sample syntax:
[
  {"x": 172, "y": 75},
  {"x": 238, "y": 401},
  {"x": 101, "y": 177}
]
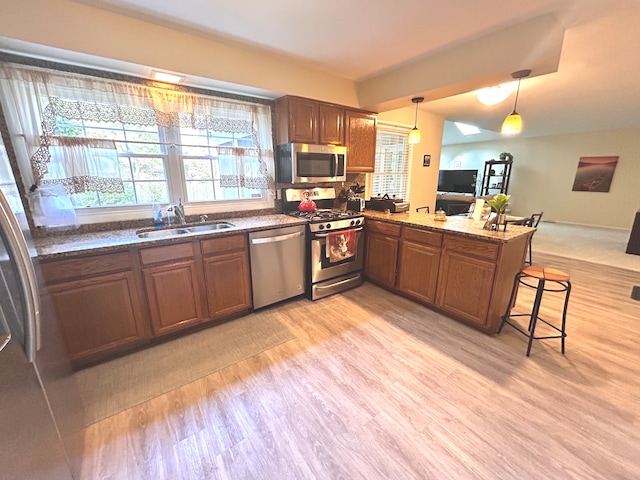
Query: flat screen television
[{"x": 457, "y": 181}]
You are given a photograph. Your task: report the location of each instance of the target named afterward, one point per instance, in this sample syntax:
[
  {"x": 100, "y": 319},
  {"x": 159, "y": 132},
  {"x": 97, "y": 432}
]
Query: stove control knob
[
  {"x": 352, "y": 223},
  {"x": 328, "y": 226},
  {"x": 321, "y": 227},
  {"x": 357, "y": 222}
]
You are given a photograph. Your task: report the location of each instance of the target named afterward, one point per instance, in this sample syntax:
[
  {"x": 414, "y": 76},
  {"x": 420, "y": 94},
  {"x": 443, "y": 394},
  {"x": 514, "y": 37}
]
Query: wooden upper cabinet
[
  {"x": 296, "y": 120},
  {"x": 331, "y": 124},
  {"x": 360, "y": 139},
  {"x": 302, "y": 120}
]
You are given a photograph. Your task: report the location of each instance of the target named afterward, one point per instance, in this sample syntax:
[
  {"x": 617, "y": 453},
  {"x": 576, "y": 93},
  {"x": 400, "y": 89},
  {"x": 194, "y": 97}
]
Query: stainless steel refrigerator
[{"x": 40, "y": 409}]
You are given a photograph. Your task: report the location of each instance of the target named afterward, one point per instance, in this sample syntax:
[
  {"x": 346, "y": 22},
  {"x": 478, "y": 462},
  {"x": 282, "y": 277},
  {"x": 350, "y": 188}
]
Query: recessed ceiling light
[
  {"x": 494, "y": 95},
  {"x": 467, "y": 129},
  {"x": 166, "y": 77}
]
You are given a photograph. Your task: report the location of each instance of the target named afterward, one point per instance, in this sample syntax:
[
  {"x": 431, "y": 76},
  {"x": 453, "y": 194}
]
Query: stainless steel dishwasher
[{"x": 277, "y": 264}]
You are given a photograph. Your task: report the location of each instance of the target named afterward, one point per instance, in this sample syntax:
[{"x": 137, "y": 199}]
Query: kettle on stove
[{"x": 307, "y": 205}]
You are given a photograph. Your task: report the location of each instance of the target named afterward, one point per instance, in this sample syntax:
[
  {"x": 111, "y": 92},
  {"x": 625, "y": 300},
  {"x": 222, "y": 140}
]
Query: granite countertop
[
  {"x": 462, "y": 225},
  {"x": 113, "y": 240}
]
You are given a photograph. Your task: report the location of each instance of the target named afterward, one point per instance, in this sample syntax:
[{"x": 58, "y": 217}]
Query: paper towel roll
[{"x": 477, "y": 211}]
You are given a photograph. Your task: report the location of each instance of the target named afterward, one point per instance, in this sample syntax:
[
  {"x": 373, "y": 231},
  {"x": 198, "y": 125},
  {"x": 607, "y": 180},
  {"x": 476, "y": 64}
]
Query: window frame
[
  {"x": 100, "y": 214},
  {"x": 397, "y": 129}
]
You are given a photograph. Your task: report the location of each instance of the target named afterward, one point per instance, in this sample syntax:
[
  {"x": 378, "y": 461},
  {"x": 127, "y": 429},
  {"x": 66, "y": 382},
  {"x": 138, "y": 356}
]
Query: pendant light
[
  {"x": 513, "y": 123},
  {"x": 414, "y": 134}
]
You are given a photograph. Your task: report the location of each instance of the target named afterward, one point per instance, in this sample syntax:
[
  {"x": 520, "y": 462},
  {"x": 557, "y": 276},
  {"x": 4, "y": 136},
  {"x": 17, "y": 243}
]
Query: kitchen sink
[
  {"x": 167, "y": 232},
  {"x": 210, "y": 227},
  {"x": 171, "y": 232}
]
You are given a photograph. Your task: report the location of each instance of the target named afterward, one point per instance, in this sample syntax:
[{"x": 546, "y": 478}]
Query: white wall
[
  {"x": 73, "y": 26},
  {"x": 423, "y": 181},
  {"x": 544, "y": 169}
]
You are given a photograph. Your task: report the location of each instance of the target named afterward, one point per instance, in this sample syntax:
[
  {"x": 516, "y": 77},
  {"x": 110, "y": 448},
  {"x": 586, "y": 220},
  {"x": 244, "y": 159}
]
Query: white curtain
[
  {"x": 83, "y": 164},
  {"x": 39, "y": 96}
]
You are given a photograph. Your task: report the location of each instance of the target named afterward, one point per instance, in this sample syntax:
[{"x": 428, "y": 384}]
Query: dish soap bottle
[{"x": 157, "y": 215}]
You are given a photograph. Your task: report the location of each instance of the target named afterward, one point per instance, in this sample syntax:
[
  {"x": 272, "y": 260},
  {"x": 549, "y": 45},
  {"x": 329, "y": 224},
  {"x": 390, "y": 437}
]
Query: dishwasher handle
[{"x": 277, "y": 238}]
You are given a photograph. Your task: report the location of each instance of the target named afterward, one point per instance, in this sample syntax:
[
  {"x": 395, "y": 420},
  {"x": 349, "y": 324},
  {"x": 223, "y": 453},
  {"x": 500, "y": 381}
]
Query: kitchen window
[
  {"x": 393, "y": 151},
  {"x": 114, "y": 146}
]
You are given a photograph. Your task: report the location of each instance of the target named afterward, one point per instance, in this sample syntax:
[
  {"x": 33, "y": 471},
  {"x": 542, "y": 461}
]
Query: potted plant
[
  {"x": 506, "y": 156},
  {"x": 499, "y": 204}
]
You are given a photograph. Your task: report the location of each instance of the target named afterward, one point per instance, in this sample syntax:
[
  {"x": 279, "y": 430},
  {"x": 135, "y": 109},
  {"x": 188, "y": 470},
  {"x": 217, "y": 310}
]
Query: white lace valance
[{"x": 42, "y": 96}]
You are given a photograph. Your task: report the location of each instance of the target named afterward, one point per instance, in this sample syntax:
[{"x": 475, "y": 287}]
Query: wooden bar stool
[{"x": 543, "y": 280}]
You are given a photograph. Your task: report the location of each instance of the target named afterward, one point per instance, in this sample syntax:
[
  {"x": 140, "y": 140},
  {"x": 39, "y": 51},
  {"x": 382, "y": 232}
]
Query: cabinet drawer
[
  {"x": 383, "y": 228},
  {"x": 166, "y": 253},
  {"x": 475, "y": 248},
  {"x": 81, "y": 267},
  {"x": 223, "y": 245},
  {"x": 422, "y": 236}
]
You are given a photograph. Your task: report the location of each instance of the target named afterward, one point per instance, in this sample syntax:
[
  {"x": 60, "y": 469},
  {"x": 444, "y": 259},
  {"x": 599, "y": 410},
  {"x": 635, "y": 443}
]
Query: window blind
[{"x": 391, "y": 172}]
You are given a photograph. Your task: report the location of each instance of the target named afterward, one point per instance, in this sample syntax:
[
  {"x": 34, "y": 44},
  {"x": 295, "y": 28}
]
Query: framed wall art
[{"x": 594, "y": 174}]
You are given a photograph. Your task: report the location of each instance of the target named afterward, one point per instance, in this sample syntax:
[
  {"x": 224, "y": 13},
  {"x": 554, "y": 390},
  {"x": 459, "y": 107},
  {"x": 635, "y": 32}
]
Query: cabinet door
[
  {"x": 98, "y": 314},
  {"x": 174, "y": 297},
  {"x": 227, "y": 284},
  {"x": 381, "y": 258},
  {"x": 360, "y": 139},
  {"x": 303, "y": 120},
  {"x": 464, "y": 286},
  {"x": 418, "y": 270},
  {"x": 331, "y": 119}
]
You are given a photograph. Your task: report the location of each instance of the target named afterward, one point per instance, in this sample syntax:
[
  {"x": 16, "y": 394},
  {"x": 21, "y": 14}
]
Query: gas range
[
  {"x": 335, "y": 240},
  {"x": 324, "y": 218},
  {"x": 330, "y": 219}
]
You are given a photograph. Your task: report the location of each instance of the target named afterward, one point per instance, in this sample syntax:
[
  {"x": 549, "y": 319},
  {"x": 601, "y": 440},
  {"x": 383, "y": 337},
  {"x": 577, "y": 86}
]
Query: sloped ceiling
[{"x": 582, "y": 53}]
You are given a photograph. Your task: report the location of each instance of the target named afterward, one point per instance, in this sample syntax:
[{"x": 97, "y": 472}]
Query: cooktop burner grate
[{"x": 323, "y": 215}]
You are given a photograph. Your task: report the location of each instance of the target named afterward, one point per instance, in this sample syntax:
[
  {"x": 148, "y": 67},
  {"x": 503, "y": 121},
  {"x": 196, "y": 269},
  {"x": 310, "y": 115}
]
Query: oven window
[{"x": 327, "y": 264}]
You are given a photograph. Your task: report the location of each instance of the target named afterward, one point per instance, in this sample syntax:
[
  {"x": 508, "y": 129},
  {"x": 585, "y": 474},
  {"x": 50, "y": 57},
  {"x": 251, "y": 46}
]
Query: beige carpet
[
  {"x": 114, "y": 386},
  {"x": 600, "y": 245}
]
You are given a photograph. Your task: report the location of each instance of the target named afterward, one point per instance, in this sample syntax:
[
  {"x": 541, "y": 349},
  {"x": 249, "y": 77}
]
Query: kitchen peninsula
[{"x": 453, "y": 265}]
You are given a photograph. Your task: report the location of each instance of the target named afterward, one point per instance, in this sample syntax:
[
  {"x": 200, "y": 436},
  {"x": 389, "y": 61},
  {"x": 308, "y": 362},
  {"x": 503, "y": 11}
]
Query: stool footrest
[{"x": 527, "y": 332}]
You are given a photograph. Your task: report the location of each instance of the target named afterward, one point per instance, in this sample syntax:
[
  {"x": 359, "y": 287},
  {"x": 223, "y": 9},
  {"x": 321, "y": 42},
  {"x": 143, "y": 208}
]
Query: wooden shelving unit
[{"x": 496, "y": 177}]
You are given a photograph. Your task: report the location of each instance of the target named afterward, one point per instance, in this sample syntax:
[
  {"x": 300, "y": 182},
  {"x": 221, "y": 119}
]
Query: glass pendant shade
[
  {"x": 414, "y": 136},
  {"x": 512, "y": 124}
]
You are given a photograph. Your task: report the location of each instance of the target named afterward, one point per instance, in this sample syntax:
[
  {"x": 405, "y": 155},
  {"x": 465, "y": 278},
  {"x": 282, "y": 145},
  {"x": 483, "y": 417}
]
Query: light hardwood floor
[{"x": 377, "y": 387}]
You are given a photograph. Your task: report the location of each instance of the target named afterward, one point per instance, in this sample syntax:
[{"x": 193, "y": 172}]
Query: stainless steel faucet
[{"x": 179, "y": 211}]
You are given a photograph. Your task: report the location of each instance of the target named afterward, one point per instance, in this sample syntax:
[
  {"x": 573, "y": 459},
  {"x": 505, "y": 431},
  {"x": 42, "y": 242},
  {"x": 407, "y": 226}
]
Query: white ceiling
[{"x": 595, "y": 87}]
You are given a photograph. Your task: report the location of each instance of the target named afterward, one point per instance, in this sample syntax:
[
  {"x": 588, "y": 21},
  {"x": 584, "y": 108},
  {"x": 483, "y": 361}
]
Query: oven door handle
[
  {"x": 346, "y": 280},
  {"x": 323, "y": 235}
]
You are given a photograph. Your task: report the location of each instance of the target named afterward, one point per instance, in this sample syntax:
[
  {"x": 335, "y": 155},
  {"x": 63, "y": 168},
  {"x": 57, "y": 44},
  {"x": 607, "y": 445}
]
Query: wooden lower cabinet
[
  {"x": 227, "y": 278},
  {"x": 418, "y": 264},
  {"x": 381, "y": 258},
  {"x": 109, "y": 304},
  {"x": 98, "y": 314},
  {"x": 468, "y": 278},
  {"x": 173, "y": 293},
  {"x": 464, "y": 287}
]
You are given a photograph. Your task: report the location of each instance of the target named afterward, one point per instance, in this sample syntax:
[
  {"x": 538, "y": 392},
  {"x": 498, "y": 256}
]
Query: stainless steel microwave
[{"x": 304, "y": 163}]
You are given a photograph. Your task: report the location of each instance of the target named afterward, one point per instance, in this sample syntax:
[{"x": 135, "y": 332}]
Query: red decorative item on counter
[{"x": 307, "y": 205}]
